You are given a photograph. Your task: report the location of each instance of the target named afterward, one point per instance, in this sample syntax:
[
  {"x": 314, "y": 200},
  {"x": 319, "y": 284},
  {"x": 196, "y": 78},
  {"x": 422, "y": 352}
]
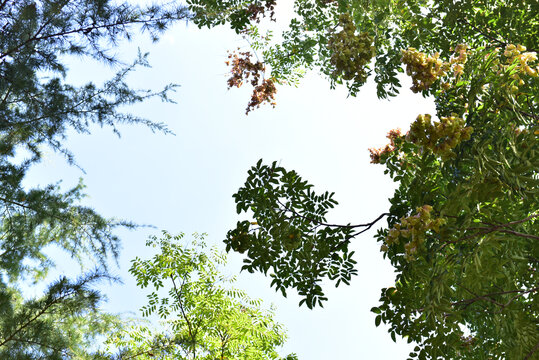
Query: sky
[{"x": 184, "y": 182}]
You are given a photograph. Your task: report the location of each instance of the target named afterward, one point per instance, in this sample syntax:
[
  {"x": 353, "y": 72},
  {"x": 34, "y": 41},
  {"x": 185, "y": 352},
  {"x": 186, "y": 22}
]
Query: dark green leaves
[
  {"x": 289, "y": 237},
  {"x": 238, "y": 14}
]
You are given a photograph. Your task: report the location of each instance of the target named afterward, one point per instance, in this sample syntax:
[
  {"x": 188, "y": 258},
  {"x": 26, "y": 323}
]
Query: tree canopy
[
  {"x": 462, "y": 227},
  {"x": 38, "y": 107},
  {"x": 204, "y": 316}
]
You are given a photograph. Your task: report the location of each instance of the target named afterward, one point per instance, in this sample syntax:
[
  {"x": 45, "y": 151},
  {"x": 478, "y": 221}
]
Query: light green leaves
[{"x": 204, "y": 316}]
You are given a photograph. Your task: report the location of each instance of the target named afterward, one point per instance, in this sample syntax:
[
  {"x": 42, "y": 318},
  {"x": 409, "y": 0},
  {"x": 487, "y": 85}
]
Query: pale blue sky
[{"x": 184, "y": 183}]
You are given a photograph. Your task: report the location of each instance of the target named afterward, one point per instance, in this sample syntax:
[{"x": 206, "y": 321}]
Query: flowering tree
[{"x": 462, "y": 229}]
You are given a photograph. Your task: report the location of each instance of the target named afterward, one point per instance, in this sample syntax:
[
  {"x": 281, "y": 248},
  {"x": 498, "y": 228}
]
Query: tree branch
[
  {"x": 488, "y": 36},
  {"x": 40, "y": 313},
  {"x": 467, "y": 302},
  {"x": 147, "y": 352},
  {"x": 533, "y": 350},
  {"x": 3, "y": 3},
  {"x": 368, "y": 225},
  {"x": 85, "y": 30},
  {"x": 518, "y": 295},
  {"x": 184, "y": 315},
  {"x": 32, "y": 342},
  {"x": 487, "y": 297},
  {"x": 496, "y": 227},
  {"x": 516, "y": 221}
]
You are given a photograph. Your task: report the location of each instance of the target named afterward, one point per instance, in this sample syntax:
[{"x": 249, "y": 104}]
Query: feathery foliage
[{"x": 37, "y": 110}]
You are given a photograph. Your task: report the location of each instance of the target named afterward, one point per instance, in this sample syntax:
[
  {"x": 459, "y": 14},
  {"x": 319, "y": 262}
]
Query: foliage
[
  {"x": 204, "y": 318},
  {"x": 38, "y": 108},
  {"x": 463, "y": 223},
  {"x": 468, "y": 258},
  {"x": 290, "y": 237},
  {"x": 394, "y": 25},
  {"x": 31, "y": 327},
  {"x": 37, "y": 104}
]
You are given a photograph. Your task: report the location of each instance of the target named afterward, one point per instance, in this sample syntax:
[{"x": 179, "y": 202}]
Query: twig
[
  {"x": 368, "y": 225},
  {"x": 488, "y": 36},
  {"x": 190, "y": 327},
  {"x": 535, "y": 348}
]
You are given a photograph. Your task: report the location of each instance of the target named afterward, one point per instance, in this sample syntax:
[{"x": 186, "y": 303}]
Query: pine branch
[{"x": 36, "y": 316}]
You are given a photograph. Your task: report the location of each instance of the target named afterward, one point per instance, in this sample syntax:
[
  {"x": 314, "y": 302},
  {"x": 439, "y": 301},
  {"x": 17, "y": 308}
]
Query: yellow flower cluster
[
  {"x": 350, "y": 52},
  {"x": 415, "y": 228},
  {"x": 517, "y": 54},
  {"x": 423, "y": 69},
  {"x": 439, "y": 137},
  {"x": 522, "y": 60},
  {"x": 459, "y": 59},
  {"x": 461, "y": 54}
]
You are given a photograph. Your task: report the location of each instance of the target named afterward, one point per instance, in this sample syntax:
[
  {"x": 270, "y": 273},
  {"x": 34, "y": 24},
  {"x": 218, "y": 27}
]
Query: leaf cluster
[
  {"x": 289, "y": 237},
  {"x": 204, "y": 318}
]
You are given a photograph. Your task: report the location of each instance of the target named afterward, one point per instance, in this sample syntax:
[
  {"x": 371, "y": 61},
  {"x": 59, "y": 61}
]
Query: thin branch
[
  {"x": 17, "y": 203},
  {"x": 66, "y": 219},
  {"x": 502, "y": 227},
  {"x": 477, "y": 297},
  {"x": 3, "y": 3},
  {"x": 516, "y": 221},
  {"x": 467, "y": 302},
  {"x": 518, "y": 295},
  {"x": 487, "y": 230},
  {"x": 40, "y": 313},
  {"x": 225, "y": 337},
  {"x": 535, "y": 348},
  {"x": 32, "y": 342},
  {"x": 146, "y": 352},
  {"x": 488, "y": 36},
  {"x": 480, "y": 231},
  {"x": 533, "y": 116},
  {"x": 8, "y": 92},
  {"x": 84, "y": 30},
  {"x": 516, "y": 233},
  {"x": 184, "y": 315},
  {"x": 368, "y": 225}
]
